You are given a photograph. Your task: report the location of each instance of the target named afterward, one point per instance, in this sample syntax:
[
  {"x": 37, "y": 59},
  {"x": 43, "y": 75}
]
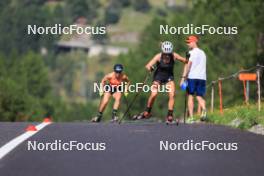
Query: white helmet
[{"x": 166, "y": 47}]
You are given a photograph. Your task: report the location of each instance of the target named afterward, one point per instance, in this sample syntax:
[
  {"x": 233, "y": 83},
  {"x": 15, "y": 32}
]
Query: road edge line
[{"x": 9, "y": 146}]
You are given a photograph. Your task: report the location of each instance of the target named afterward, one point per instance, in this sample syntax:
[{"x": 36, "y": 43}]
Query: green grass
[
  {"x": 161, "y": 3},
  {"x": 247, "y": 114},
  {"x": 157, "y": 3},
  {"x": 131, "y": 21}
]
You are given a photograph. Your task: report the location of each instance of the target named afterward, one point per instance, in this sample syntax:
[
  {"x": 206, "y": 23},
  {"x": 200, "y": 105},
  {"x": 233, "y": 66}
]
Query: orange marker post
[
  {"x": 245, "y": 77},
  {"x": 245, "y": 92}
]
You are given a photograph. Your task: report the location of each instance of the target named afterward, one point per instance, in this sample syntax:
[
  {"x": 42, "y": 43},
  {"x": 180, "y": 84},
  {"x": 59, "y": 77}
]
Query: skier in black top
[{"x": 163, "y": 75}]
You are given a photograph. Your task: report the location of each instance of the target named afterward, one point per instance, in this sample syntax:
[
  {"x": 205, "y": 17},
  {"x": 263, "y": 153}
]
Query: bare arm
[
  {"x": 105, "y": 78},
  {"x": 125, "y": 78},
  {"x": 180, "y": 58},
  {"x": 152, "y": 62},
  {"x": 186, "y": 69}
]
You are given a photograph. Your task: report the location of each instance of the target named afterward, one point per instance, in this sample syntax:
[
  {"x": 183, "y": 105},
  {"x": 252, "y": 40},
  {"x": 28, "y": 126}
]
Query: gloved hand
[
  {"x": 126, "y": 93},
  {"x": 152, "y": 68},
  {"x": 101, "y": 92}
]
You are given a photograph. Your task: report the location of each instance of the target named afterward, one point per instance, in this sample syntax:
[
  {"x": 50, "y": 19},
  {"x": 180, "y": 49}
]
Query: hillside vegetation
[{"x": 35, "y": 85}]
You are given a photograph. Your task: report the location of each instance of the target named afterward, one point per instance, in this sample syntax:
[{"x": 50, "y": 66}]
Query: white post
[
  {"x": 247, "y": 91},
  {"x": 212, "y": 98},
  {"x": 259, "y": 91}
]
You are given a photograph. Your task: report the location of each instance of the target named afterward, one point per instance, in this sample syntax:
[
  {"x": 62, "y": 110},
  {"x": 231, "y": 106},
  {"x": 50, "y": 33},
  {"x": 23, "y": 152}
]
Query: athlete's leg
[
  {"x": 151, "y": 99},
  {"x": 201, "y": 89},
  {"x": 104, "y": 101},
  {"x": 117, "y": 96},
  {"x": 190, "y": 105},
  {"x": 153, "y": 94},
  {"x": 171, "y": 93},
  {"x": 191, "y": 91},
  {"x": 199, "y": 109},
  {"x": 201, "y": 102},
  {"x": 102, "y": 106}
]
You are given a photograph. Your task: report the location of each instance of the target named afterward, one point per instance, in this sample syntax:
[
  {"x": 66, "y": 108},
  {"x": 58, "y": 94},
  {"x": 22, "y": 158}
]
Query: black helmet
[{"x": 118, "y": 68}]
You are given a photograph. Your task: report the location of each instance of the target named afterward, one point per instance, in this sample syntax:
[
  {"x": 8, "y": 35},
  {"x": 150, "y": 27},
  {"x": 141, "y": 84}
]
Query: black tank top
[{"x": 165, "y": 69}]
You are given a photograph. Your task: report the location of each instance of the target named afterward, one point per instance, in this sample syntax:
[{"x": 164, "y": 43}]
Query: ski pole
[
  {"x": 185, "y": 109},
  {"x": 135, "y": 97},
  {"x": 126, "y": 101}
]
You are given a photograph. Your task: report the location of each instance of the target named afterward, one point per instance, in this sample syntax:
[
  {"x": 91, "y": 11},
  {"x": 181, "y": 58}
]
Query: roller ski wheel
[
  {"x": 169, "y": 120},
  {"x": 177, "y": 121},
  {"x": 114, "y": 119},
  {"x": 143, "y": 115}
]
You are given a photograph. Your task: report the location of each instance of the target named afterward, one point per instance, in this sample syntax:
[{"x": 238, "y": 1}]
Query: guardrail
[{"x": 245, "y": 78}]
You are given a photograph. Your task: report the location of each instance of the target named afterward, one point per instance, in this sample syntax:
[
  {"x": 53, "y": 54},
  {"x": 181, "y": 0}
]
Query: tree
[
  {"x": 24, "y": 84},
  {"x": 226, "y": 54},
  {"x": 112, "y": 12},
  {"x": 83, "y": 8},
  {"x": 141, "y": 5}
]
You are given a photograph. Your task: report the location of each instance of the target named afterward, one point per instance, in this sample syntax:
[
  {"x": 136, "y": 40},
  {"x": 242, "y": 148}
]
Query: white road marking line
[{"x": 8, "y": 147}]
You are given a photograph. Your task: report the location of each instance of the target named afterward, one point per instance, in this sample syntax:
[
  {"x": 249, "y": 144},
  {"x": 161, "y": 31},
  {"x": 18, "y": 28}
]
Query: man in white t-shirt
[{"x": 195, "y": 73}]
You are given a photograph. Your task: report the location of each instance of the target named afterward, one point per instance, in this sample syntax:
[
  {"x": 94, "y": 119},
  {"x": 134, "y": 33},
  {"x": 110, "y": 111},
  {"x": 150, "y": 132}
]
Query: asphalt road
[
  {"x": 134, "y": 150},
  {"x": 9, "y": 130}
]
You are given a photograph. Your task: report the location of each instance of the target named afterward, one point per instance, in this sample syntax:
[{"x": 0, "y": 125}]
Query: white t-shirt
[{"x": 198, "y": 67}]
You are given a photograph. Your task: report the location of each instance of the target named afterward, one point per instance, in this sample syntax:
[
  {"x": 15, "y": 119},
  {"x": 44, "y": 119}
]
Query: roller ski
[
  {"x": 169, "y": 120},
  {"x": 114, "y": 119},
  {"x": 177, "y": 121},
  {"x": 96, "y": 119},
  {"x": 143, "y": 115}
]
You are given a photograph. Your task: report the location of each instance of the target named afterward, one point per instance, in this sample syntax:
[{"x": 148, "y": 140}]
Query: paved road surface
[
  {"x": 9, "y": 130},
  {"x": 133, "y": 150}
]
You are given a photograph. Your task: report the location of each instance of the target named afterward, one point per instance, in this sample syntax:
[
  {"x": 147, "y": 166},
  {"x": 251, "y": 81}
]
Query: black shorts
[
  {"x": 163, "y": 79},
  {"x": 113, "y": 89}
]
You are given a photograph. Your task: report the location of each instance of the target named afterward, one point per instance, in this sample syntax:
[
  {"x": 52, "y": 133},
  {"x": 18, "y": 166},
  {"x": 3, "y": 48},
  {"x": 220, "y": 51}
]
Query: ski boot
[
  {"x": 143, "y": 115},
  {"x": 114, "y": 119},
  {"x": 96, "y": 119}
]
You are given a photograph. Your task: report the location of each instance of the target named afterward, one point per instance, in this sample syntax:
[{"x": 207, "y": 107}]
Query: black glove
[
  {"x": 187, "y": 54},
  {"x": 152, "y": 68}
]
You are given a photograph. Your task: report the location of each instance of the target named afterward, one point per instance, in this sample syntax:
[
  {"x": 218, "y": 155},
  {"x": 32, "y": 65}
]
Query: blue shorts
[{"x": 196, "y": 87}]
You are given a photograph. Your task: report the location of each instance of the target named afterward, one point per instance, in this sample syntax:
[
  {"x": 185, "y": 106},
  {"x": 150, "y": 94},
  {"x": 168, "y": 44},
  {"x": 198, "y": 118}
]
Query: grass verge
[{"x": 242, "y": 117}]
